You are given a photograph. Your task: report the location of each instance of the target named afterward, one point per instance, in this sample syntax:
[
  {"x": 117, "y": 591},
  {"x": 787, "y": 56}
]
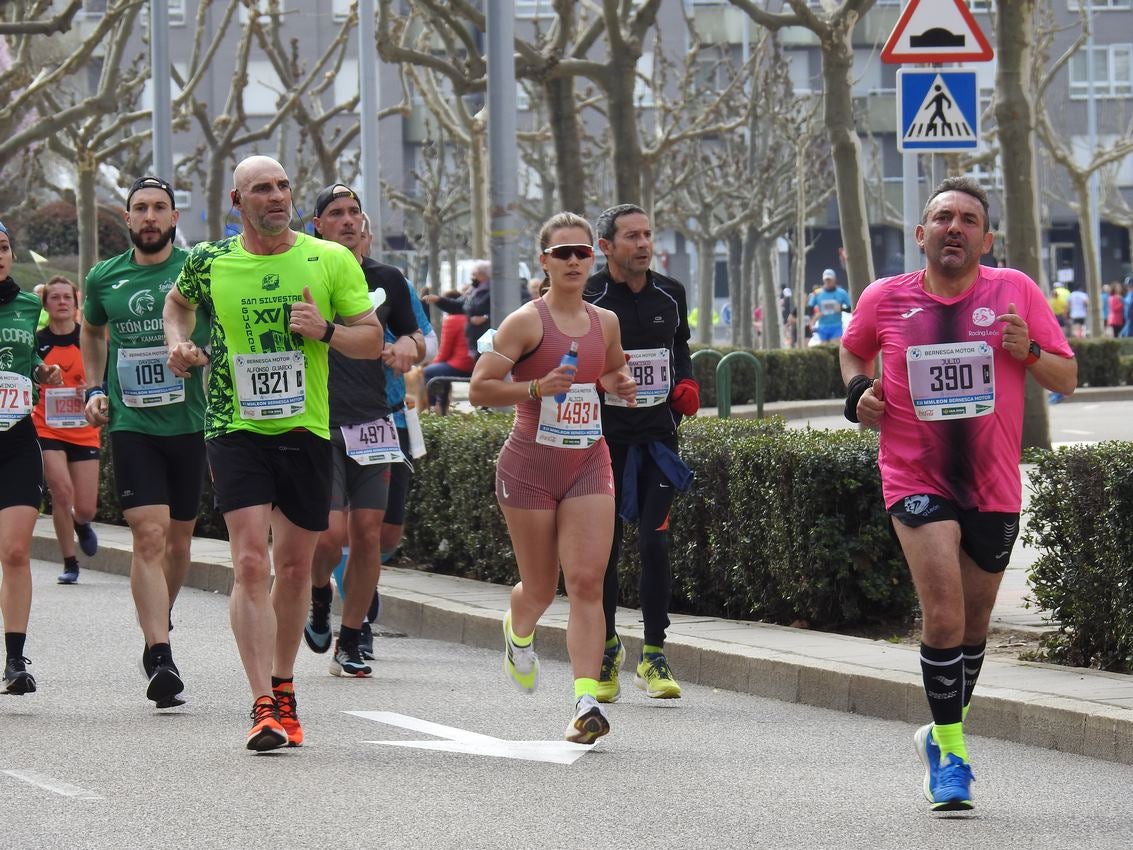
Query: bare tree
[
  {"x": 32, "y": 18},
  {"x": 834, "y": 26},
  {"x": 1015, "y": 116}
]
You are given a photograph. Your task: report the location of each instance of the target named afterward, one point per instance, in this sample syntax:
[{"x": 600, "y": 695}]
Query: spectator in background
[
  {"x": 476, "y": 304},
  {"x": 1079, "y": 306},
  {"x": 1127, "y": 330},
  {"x": 1116, "y": 320},
  {"x": 1060, "y": 304},
  {"x": 827, "y": 305},
  {"x": 453, "y": 359}
]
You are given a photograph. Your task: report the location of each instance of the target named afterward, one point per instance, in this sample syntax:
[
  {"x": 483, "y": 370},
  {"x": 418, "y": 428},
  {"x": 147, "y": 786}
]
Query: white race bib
[
  {"x": 15, "y": 398},
  {"x": 373, "y": 442},
  {"x": 270, "y": 386},
  {"x": 145, "y": 379},
  {"x": 953, "y": 380},
  {"x": 575, "y": 423},
  {"x": 63, "y": 407},
  {"x": 650, "y": 368}
]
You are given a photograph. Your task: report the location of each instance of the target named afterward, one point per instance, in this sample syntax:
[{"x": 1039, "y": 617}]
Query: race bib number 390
[
  {"x": 574, "y": 423},
  {"x": 951, "y": 380},
  {"x": 15, "y": 398},
  {"x": 145, "y": 380},
  {"x": 269, "y": 386}
]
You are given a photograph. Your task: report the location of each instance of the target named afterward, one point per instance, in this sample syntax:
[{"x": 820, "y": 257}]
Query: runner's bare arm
[
  {"x": 179, "y": 318},
  {"x": 93, "y": 345}
]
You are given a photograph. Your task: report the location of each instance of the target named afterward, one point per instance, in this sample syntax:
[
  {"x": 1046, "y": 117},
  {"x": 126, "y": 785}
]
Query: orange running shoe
[
  {"x": 267, "y": 732},
  {"x": 288, "y": 714}
]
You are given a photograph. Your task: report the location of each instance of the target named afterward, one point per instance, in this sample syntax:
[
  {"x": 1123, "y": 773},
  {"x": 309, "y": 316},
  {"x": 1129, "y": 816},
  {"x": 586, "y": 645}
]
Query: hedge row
[
  {"x": 781, "y": 525},
  {"x": 1080, "y": 521},
  {"x": 53, "y": 230},
  {"x": 789, "y": 374}
]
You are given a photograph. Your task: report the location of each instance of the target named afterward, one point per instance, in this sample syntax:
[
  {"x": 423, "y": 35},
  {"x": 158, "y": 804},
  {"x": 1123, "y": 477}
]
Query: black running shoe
[
  {"x": 366, "y": 642},
  {"x": 165, "y": 684},
  {"x": 88, "y": 540},
  {"x": 317, "y": 632},
  {"x": 17, "y": 680}
]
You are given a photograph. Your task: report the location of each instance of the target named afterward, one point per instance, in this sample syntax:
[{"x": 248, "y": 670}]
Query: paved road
[{"x": 716, "y": 769}]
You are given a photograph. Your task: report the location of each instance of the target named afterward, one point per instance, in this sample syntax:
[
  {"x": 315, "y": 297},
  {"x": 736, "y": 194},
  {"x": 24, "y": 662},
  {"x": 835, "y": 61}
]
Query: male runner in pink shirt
[{"x": 956, "y": 341}]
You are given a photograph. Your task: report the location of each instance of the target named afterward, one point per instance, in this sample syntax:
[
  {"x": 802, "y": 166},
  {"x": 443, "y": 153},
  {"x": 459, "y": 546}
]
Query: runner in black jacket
[{"x": 643, "y": 440}]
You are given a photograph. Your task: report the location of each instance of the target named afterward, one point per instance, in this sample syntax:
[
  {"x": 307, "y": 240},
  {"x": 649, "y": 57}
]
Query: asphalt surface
[{"x": 87, "y": 763}]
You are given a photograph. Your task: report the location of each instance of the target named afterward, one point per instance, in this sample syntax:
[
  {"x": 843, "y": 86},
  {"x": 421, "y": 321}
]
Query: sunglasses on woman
[{"x": 565, "y": 252}]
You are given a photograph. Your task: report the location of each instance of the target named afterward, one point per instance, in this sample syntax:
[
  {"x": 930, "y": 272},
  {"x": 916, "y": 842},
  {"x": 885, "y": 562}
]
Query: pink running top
[
  {"x": 972, "y": 461},
  {"x": 547, "y": 355}
]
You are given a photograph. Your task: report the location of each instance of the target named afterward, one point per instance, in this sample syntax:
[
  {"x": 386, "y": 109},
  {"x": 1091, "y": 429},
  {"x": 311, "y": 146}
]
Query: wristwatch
[{"x": 1034, "y": 352}]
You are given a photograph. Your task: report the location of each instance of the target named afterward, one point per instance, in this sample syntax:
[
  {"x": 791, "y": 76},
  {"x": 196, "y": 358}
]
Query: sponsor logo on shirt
[
  {"x": 270, "y": 282},
  {"x": 119, "y": 284},
  {"x": 917, "y": 505},
  {"x": 141, "y": 303},
  {"x": 7, "y": 358},
  {"x": 912, "y": 312},
  {"x": 983, "y": 316}
]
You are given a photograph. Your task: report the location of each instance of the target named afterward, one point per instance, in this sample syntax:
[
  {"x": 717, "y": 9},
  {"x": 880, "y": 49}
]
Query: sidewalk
[{"x": 1073, "y": 710}]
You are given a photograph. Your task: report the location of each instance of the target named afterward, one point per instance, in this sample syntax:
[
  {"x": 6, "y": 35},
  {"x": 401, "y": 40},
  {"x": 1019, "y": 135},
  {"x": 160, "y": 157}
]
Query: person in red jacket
[{"x": 453, "y": 360}]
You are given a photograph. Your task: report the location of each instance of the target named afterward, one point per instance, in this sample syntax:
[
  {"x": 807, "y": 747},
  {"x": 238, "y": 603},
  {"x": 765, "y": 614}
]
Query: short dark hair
[
  {"x": 959, "y": 184},
  {"x": 607, "y": 223},
  {"x": 151, "y": 182}
]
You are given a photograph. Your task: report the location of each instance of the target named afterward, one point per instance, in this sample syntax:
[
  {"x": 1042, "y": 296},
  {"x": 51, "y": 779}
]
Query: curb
[{"x": 1095, "y": 729}]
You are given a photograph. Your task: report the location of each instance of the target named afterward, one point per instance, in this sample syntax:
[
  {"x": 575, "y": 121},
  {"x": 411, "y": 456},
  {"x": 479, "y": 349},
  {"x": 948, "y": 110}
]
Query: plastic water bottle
[{"x": 569, "y": 359}]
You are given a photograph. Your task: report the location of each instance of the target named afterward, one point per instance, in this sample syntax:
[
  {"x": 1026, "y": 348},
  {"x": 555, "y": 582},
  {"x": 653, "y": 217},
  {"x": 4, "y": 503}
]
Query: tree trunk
[
  {"x": 478, "y": 184},
  {"x": 565, "y": 135},
  {"x": 751, "y": 278},
  {"x": 86, "y": 207},
  {"x": 837, "y": 74},
  {"x": 1014, "y": 113},
  {"x": 433, "y": 249},
  {"x": 764, "y": 250},
  {"x": 214, "y": 195},
  {"x": 736, "y": 287},
  {"x": 1099, "y": 308},
  {"x": 622, "y": 115},
  {"x": 705, "y": 278}
]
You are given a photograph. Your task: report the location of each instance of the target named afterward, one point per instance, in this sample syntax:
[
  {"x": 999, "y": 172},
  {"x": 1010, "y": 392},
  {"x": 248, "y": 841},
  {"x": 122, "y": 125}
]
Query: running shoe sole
[
  {"x": 266, "y": 738},
  {"x": 164, "y": 686},
  {"x": 340, "y": 670},
  {"x": 921, "y": 739},
  {"x": 588, "y": 728},
  {"x": 643, "y": 684},
  {"x": 317, "y": 641},
  {"x": 20, "y": 684},
  {"x": 68, "y": 578}
]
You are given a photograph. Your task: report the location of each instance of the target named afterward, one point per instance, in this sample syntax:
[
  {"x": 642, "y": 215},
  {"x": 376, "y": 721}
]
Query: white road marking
[
  {"x": 473, "y": 743},
  {"x": 1074, "y": 431},
  {"x": 56, "y": 786}
]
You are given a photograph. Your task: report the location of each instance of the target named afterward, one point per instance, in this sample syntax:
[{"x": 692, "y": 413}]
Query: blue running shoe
[
  {"x": 929, "y": 753},
  {"x": 70, "y": 575},
  {"x": 952, "y": 790},
  {"x": 88, "y": 540}
]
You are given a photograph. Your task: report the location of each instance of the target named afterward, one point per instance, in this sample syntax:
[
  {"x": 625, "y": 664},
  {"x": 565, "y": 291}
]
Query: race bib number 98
[
  {"x": 951, "y": 380},
  {"x": 650, "y": 369}
]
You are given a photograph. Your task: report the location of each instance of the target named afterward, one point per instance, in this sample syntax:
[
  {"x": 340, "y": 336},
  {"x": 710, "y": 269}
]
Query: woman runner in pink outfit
[{"x": 553, "y": 477}]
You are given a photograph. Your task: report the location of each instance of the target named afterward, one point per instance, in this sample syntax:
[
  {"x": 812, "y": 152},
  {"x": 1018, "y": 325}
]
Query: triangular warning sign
[
  {"x": 936, "y": 31},
  {"x": 939, "y": 118}
]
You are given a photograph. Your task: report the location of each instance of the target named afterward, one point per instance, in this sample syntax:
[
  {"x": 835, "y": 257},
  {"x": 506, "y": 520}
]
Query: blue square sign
[{"x": 937, "y": 110}]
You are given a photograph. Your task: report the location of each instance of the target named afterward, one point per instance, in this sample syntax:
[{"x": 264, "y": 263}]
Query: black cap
[
  {"x": 333, "y": 193},
  {"x": 151, "y": 183}
]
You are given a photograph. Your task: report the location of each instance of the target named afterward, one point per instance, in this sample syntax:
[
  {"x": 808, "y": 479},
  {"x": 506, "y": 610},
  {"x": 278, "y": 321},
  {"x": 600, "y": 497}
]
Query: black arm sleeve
[
  {"x": 402, "y": 320},
  {"x": 450, "y": 305}
]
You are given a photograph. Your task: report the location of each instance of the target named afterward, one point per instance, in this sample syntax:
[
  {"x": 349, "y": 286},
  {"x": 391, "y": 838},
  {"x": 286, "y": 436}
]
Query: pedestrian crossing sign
[{"x": 937, "y": 111}]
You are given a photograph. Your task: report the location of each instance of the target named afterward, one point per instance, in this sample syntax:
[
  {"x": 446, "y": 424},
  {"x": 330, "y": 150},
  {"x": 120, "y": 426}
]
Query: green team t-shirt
[
  {"x": 18, "y": 358},
  {"x": 264, "y": 378},
  {"x": 145, "y": 395}
]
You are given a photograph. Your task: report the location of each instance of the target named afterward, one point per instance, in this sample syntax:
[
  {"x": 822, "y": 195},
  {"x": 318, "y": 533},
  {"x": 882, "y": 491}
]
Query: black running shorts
[
  {"x": 21, "y": 466},
  {"x": 987, "y": 536},
  {"x": 356, "y": 485},
  {"x": 290, "y": 471},
  {"x": 151, "y": 469}
]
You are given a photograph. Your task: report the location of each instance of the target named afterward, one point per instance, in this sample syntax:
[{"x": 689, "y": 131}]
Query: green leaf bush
[
  {"x": 1099, "y": 361},
  {"x": 789, "y": 374},
  {"x": 1079, "y": 520},
  {"x": 781, "y": 525}
]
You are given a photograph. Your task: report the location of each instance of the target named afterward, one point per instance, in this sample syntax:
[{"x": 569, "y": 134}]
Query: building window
[
  {"x": 176, "y": 12},
  {"x": 94, "y": 8},
  {"x": 528, "y": 9},
  {"x": 262, "y": 8},
  {"x": 1113, "y": 72},
  {"x": 262, "y": 93},
  {"x": 341, "y": 9},
  {"x": 1100, "y": 5}
]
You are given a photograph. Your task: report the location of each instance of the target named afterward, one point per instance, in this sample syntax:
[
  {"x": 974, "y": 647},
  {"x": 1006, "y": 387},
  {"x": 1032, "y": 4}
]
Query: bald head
[{"x": 262, "y": 194}]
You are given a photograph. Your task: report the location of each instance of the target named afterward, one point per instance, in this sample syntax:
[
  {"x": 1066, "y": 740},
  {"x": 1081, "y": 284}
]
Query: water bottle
[{"x": 569, "y": 359}]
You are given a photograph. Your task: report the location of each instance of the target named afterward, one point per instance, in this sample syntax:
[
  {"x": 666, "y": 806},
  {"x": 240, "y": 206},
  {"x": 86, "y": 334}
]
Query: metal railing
[{"x": 723, "y": 378}]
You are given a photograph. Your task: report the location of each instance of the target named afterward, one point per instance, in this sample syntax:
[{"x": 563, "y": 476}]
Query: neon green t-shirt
[
  {"x": 264, "y": 378},
  {"x": 145, "y": 396}
]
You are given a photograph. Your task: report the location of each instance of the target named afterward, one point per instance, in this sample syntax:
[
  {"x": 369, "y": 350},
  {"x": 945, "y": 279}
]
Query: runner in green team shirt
[
  {"x": 271, "y": 294},
  {"x": 155, "y": 419},
  {"x": 21, "y": 468}
]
